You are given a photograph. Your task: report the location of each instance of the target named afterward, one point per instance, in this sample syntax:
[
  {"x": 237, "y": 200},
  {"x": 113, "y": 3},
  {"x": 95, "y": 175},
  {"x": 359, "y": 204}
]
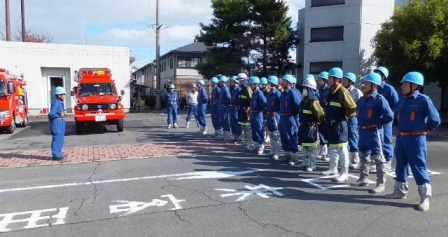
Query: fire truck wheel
[
  {"x": 78, "y": 128},
  {"x": 120, "y": 126},
  {"x": 12, "y": 127}
]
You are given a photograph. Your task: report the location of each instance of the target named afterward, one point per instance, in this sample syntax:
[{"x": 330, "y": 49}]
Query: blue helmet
[
  {"x": 414, "y": 77},
  {"x": 234, "y": 78},
  {"x": 335, "y": 72},
  {"x": 59, "y": 90},
  {"x": 201, "y": 82},
  {"x": 273, "y": 80},
  {"x": 382, "y": 71},
  {"x": 193, "y": 85},
  {"x": 171, "y": 86},
  {"x": 289, "y": 78},
  {"x": 351, "y": 76},
  {"x": 374, "y": 78},
  {"x": 254, "y": 80},
  {"x": 263, "y": 81},
  {"x": 223, "y": 79},
  {"x": 323, "y": 75},
  {"x": 214, "y": 80}
]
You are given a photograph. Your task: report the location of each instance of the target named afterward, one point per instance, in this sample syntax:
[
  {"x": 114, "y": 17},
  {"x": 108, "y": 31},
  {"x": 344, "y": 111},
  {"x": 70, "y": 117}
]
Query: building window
[
  {"x": 171, "y": 63},
  {"x": 320, "y": 3},
  {"x": 318, "y": 67},
  {"x": 188, "y": 62},
  {"x": 327, "y": 34},
  {"x": 164, "y": 65}
]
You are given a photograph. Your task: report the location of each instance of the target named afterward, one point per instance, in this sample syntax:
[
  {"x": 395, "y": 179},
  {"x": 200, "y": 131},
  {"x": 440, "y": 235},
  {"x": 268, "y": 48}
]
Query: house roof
[{"x": 196, "y": 47}]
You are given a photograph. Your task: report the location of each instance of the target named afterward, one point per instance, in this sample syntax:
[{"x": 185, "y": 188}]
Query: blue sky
[{"x": 118, "y": 23}]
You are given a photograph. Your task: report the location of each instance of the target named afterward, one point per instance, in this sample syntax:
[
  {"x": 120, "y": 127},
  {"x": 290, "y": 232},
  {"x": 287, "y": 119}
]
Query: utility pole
[
  {"x": 158, "y": 81},
  {"x": 23, "y": 21},
  {"x": 7, "y": 21}
]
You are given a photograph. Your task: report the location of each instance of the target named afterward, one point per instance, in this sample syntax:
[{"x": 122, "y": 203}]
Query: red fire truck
[
  {"x": 97, "y": 100},
  {"x": 13, "y": 102}
]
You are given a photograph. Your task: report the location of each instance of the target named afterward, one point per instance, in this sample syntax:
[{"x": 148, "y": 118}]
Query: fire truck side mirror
[
  {"x": 122, "y": 92},
  {"x": 119, "y": 98},
  {"x": 10, "y": 88}
]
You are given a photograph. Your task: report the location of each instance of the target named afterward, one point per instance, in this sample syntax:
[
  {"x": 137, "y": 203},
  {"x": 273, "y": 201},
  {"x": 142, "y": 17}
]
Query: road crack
[{"x": 95, "y": 189}]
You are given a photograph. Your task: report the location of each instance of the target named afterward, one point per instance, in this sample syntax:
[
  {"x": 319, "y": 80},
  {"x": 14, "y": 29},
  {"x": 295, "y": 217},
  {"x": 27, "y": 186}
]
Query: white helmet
[
  {"x": 242, "y": 76},
  {"x": 310, "y": 83}
]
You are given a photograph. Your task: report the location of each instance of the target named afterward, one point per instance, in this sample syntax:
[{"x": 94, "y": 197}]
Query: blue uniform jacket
[
  {"x": 390, "y": 94},
  {"x": 224, "y": 96},
  {"x": 289, "y": 102},
  {"x": 374, "y": 111},
  {"x": 202, "y": 96},
  {"x": 323, "y": 95},
  {"x": 234, "y": 96},
  {"x": 417, "y": 113},
  {"x": 57, "y": 109},
  {"x": 215, "y": 95},
  {"x": 171, "y": 99},
  {"x": 258, "y": 102},
  {"x": 273, "y": 101}
]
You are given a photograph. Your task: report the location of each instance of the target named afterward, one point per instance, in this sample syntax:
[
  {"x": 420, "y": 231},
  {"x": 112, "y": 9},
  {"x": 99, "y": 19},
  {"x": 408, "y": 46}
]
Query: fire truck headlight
[
  {"x": 85, "y": 107},
  {"x": 4, "y": 114},
  {"x": 112, "y": 106}
]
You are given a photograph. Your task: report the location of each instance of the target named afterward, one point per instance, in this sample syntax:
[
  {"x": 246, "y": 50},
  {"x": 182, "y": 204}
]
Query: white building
[
  {"x": 46, "y": 66},
  {"x": 338, "y": 33}
]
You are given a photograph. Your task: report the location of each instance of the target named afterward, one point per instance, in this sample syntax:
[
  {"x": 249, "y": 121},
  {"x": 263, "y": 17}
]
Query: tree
[
  {"x": 415, "y": 39},
  {"x": 29, "y": 37},
  {"x": 247, "y": 35}
]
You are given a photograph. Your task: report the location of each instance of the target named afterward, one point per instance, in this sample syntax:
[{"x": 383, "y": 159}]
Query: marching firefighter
[
  {"x": 257, "y": 107},
  {"x": 233, "y": 109},
  {"x": 324, "y": 90},
  {"x": 192, "y": 101},
  {"x": 272, "y": 116},
  {"x": 57, "y": 123},
  {"x": 340, "y": 106},
  {"x": 348, "y": 82},
  {"x": 224, "y": 102},
  {"x": 263, "y": 84},
  {"x": 214, "y": 100},
  {"x": 244, "y": 98},
  {"x": 373, "y": 112},
  {"x": 391, "y": 95},
  {"x": 311, "y": 114},
  {"x": 416, "y": 115},
  {"x": 171, "y": 101},
  {"x": 202, "y": 106},
  {"x": 288, "y": 127}
]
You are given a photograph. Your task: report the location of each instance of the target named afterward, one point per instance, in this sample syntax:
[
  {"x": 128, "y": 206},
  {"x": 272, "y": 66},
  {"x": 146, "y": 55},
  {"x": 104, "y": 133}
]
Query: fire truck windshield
[
  {"x": 2, "y": 88},
  {"x": 88, "y": 89}
]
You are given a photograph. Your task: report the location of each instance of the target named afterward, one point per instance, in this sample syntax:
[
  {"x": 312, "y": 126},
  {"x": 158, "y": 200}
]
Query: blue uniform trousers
[
  {"x": 386, "y": 138},
  {"x": 171, "y": 111},
  {"x": 224, "y": 117},
  {"x": 57, "y": 127},
  {"x": 322, "y": 139},
  {"x": 370, "y": 141},
  {"x": 216, "y": 121},
  {"x": 202, "y": 108},
  {"x": 353, "y": 136},
  {"x": 272, "y": 121},
  {"x": 411, "y": 150},
  {"x": 234, "y": 125},
  {"x": 288, "y": 129},
  {"x": 256, "y": 122},
  {"x": 192, "y": 110}
]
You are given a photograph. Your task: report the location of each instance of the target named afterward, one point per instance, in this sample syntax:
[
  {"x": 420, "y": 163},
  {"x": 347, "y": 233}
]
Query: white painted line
[
  {"x": 261, "y": 190},
  {"x": 191, "y": 175},
  {"x": 327, "y": 187},
  {"x": 32, "y": 218}
]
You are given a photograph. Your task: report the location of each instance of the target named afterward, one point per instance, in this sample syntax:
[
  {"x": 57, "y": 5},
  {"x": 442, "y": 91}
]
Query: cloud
[{"x": 118, "y": 22}]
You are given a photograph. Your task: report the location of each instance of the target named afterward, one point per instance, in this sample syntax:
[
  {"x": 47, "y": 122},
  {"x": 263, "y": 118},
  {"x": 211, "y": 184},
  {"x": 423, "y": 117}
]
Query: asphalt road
[{"x": 217, "y": 193}]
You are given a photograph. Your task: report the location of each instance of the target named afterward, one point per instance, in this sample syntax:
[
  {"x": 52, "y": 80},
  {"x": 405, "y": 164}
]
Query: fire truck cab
[
  {"x": 96, "y": 99},
  {"x": 13, "y": 102}
]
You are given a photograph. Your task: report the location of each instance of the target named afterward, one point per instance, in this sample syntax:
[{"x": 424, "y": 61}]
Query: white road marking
[
  {"x": 130, "y": 207},
  {"x": 191, "y": 175},
  {"x": 261, "y": 190},
  {"x": 33, "y": 217}
]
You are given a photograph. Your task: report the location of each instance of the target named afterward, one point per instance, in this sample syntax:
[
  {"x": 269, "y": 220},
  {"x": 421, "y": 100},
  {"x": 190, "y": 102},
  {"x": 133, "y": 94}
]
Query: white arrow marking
[{"x": 191, "y": 175}]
